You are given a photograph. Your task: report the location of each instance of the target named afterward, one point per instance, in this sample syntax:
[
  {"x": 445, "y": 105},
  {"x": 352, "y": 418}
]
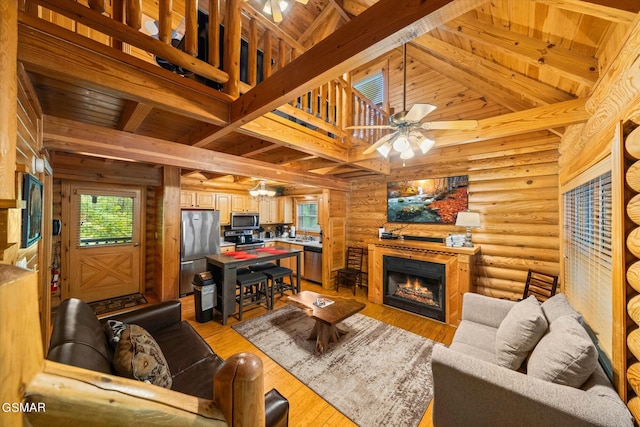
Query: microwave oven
[{"x": 245, "y": 221}]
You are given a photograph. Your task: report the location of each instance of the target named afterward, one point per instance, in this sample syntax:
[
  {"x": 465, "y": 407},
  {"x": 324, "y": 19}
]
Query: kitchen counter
[{"x": 312, "y": 243}]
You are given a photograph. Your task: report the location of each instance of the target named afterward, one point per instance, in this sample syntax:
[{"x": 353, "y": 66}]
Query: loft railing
[
  {"x": 327, "y": 109},
  {"x": 366, "y": 113}
]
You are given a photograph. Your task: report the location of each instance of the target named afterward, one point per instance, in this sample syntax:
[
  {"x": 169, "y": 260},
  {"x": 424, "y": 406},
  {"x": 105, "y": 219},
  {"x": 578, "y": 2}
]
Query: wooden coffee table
[{"x": 326, "y": 329}]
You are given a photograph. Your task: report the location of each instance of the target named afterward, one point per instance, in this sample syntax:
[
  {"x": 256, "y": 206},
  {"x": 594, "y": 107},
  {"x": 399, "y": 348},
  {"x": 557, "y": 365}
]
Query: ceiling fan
[
  {"x": 276, "y": 7},
  {"x": 407, "y": 125}
]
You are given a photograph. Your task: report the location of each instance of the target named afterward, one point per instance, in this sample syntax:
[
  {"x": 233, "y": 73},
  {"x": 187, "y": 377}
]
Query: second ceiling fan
[{"x": 407, "y": 125}]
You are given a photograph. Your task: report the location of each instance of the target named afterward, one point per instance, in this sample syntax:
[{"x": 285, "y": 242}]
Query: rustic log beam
[
  {"x": 108, "y": 26},
  {"x": 133, "y": 115},
  {"x": 134, "y": 14},
  {"x": 252, "y": 67},
  {"x": 75, "y": 137},
  {"x": 165, "y": 8},
  {"x": 214, "y": 33},
  {"x": 51, "y": 50},
  {"x": 535, "y": 119},
  {"x": 387, "y": 24}
]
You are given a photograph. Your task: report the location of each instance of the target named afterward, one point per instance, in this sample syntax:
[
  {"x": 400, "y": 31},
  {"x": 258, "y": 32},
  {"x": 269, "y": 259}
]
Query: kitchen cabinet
[
  {"x": 197, "y": 199},
  {"x": 269, "y": 212},
  {"x": 285, "y": 210},
  {"x": 225, "y": 249},
  {"x": 223, "y": 204},
  {"x": 242, "y": 203}
]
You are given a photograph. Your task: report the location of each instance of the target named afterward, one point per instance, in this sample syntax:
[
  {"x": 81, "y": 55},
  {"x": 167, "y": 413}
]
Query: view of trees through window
[
  {"x": 105, "y": 219},
  {"x": 308, "y": 216}
]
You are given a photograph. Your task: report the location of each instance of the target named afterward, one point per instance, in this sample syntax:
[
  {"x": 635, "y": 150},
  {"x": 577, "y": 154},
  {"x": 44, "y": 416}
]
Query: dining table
[{"x": 224, "y": 267}]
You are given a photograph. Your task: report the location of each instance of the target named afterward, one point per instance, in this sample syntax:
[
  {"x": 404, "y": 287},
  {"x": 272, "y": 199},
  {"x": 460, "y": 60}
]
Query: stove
[{"x": 243, "y": 239}]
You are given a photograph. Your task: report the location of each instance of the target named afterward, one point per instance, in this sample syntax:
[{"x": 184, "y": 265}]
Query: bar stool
[
  {"x": 252, "y": 286},
  {"x": 276, "y": 276}
]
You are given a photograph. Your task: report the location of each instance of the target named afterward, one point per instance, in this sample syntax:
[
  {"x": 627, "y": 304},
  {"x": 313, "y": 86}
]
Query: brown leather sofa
[{"x": 79, "y": 339}]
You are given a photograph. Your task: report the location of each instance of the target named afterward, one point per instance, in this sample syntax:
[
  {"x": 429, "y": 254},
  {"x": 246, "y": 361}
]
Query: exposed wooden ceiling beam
[
  {"x": 497, "y": 94},
  {"x": 535, "y": 119},
  {"x": 567, "y": 63},
  {"x": 337, "y": 4},
  {"x": 48, "y": 49},
  {"x": 385, "y": 25},
  {"x": 75, "y": 137},
  {"x": 324, "y": 23},
  {"x": 622, "y": 11},
  {"x": 133, "y": 115},
  {"x": 531, "y": 90}
]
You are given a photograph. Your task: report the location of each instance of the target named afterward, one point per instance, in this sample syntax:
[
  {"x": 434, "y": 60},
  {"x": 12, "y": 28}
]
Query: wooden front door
[{"x": 104, "y": 242}]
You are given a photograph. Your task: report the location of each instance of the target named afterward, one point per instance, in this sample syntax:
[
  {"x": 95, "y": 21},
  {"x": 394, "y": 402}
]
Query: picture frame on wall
[
  {"x": 427, "y": 201},
  {"x": 32, "y": 213}
]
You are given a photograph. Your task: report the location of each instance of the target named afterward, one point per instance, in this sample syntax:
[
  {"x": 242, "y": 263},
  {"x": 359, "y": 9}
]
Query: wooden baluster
[
  {"x": 282, "y": 54},
  {"x": 356, "y": 114},
  {"x": 232, "y": 31},
  {"x": 117, "y": 14},
  {"x": 214, "y": 33},
  {"x": 314, "y": 102},
  {"x": 363, "y": 116},
  {"x": 323, "y": 101},
  {"x": 134, "y": 14},
  {"x": 332, "y": 103},
  {"x": 97, "y": 5},
  {"x": 305, "y": 102},
  {"x": 252, "y": 63},
  {"x": 191, "y": 23},
  {"x": 165, "y": 8},
  {"x": 266, "y": 64}
]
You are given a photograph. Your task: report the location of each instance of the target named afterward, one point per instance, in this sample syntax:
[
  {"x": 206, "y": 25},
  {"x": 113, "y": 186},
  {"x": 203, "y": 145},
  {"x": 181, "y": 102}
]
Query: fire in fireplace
[{"x": 415, "y": 285}]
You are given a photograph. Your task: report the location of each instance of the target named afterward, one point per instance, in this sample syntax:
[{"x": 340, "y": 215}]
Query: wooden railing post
[
  {"x": 214, "y": 33},
  {"x": 164, "y": 20},
  {"x": 191, "y": 23},
  {"x": 232, "y": 33},
  {"x": 252, "y": 63},
  {"x": 268, "y": 55},
  {"x": 134, "y": 13},
  {"x": 97, "y": 5}
]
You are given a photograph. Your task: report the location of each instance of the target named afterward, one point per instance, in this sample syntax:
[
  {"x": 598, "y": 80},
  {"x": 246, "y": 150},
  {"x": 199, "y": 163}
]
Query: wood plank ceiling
[{"x": 501, "y": 57}]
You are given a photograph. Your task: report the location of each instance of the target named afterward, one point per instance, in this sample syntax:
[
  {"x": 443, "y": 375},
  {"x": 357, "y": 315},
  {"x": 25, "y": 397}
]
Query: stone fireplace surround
[{"x": 458, "y": 264}]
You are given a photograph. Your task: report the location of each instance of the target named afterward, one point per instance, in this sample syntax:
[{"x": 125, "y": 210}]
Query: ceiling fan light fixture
[
  {"x": 426, "y": 144},
  {"x": 407, "y": 154},
  {"x": 401, "y": 144},
  {"x": 384, "y": 149}
]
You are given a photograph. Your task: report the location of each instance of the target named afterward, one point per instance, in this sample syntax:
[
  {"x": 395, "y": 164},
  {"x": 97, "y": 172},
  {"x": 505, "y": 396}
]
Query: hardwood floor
[{"x": 306, "y": 407}]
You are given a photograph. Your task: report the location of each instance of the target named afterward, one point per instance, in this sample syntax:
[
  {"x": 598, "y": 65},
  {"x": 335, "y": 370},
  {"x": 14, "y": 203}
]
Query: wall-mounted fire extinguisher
[{"x": 55, "y": 269}]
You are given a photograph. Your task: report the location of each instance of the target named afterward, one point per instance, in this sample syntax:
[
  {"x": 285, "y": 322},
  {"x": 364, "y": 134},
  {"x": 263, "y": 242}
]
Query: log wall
[{"x": 513, "y": 183}]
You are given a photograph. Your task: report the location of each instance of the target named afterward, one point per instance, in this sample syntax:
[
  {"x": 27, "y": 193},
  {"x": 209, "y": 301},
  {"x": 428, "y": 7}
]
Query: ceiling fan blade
[
  {"x": 303, "y": 1},
  {"x": 275, "y": 11},
  {"x": 452, "y": 124},
  {"x": 379, "y": 142},
  {"x": 371, "y": 127},
  {"x": 418, "y": 111}
]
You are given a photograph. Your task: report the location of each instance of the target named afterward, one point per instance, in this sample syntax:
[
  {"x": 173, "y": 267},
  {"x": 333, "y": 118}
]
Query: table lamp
[{"x": 468, "y": 219}]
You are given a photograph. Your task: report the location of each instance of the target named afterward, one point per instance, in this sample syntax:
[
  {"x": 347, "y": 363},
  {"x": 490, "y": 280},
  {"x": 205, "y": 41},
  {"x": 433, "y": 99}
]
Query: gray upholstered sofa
[{"x": 471, "y": 388}]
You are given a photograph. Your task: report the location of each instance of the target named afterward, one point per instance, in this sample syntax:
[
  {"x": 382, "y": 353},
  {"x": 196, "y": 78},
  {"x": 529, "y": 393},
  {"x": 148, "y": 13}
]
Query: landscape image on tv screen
[{"x": 430, "y": 200}]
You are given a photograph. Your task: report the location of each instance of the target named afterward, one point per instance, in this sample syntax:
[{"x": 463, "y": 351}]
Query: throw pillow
[
  {"x": 138, "y": 356},
  {"x": 565, "y": 355},
  {"x": 519, "y": 332},
  {"x": 558, "y": 306}
]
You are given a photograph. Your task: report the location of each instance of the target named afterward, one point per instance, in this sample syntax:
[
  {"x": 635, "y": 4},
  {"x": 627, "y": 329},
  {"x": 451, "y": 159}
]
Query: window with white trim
[{"x": 307, "y": 216}]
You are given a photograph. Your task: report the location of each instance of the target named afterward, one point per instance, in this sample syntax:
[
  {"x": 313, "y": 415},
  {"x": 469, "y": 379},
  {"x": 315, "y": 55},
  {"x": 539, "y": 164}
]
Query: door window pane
[{"x": 105, "y": 220}]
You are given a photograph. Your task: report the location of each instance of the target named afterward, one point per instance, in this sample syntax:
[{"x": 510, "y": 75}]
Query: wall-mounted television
[
  {"x": 428, "y": 200},
  {"x": 32, "y": 214}
]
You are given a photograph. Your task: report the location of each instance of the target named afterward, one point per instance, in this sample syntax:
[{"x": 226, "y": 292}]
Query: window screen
[
  {"x": 373, "y": 88},
  {"x": 587, "y": 253},
  {"x": 308, "y": 216},
  {"x": 105, "y": 220}
]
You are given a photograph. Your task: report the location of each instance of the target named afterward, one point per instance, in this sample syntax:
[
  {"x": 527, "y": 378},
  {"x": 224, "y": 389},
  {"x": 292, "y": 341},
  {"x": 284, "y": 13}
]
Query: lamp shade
[{"x": 468, "y": 219}]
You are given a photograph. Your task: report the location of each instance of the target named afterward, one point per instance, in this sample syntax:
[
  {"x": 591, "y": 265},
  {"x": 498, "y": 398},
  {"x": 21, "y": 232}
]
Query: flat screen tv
[
  {"x": 428, "y": 200},
  {"x": 32, "y": 214}
]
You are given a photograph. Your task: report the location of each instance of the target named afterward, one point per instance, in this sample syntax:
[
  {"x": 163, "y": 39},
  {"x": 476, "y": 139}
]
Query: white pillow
[
  {"x": 565, "y": 355},
  {"x": 519, "y": 332}
]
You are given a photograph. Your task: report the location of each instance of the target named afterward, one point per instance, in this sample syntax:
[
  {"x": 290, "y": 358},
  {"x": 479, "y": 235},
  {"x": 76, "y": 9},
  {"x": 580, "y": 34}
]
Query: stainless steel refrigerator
[{"x": 200, "y": 236}]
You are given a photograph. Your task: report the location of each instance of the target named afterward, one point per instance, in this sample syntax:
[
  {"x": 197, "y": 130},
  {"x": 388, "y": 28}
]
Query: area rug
[
  {"x": 118, "y": 303},
  {"x": 377, "y": 375}
]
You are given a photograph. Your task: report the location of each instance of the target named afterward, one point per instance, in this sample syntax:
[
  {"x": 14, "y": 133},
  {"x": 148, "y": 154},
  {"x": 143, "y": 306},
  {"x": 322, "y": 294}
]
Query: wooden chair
[
  {"x": 542, "y": 285},
  {"x": 352, "y": 273}
]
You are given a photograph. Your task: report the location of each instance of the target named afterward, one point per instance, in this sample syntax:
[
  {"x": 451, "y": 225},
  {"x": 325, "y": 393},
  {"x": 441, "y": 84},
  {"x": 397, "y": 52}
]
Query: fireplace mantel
[{"x": 458, "y": 262}]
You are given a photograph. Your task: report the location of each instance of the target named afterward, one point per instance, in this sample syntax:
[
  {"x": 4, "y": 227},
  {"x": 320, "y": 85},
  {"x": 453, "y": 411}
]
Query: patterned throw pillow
[{"x": 138, "y": 356}]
